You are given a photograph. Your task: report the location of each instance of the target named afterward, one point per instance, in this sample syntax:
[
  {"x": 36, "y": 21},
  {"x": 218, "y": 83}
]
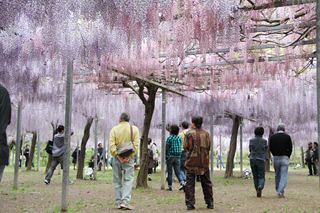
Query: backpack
[{"x": 49, "y": 147}]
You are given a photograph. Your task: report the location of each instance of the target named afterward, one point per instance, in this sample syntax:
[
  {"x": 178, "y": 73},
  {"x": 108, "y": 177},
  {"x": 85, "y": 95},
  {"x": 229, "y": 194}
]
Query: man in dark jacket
[
  {"x": 310, "y": 160},
  {"x": 281, "y": 149},
  {"x": 5, "y": 119},
  {"x": 258, "y": 155}
]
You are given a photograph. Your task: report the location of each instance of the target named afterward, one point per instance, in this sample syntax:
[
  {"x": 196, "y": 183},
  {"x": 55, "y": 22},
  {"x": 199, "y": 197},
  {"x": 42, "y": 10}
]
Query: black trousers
[
  {"x": 312, "y": 168},
  {"x": 206, "y": 185}
]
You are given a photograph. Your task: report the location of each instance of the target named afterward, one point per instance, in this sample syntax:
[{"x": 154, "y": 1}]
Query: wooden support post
[
  {"x": 302, "y": 157},
  {"x": 77, "y": 149},
  {"x": 18, "y": 141},
  {"x": 38, "y": 152},
  {"x": 22, "y": 150},
  {"x": 220, "y": 163},
  {"x": 104, "y": 150},
  {"x": 241, "y": 148},
  {"x": 212, "y": 144},
  {"x": 163, "y": 141},
  {"x": 95, "y": 148},
  {"x": 318, "y": 71},
  {"x": 68, "y": 116}
]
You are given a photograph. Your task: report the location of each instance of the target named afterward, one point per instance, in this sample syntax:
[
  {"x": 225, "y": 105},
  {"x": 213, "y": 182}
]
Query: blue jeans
[
  {"x": 220, "y": 162},
  {"x": 258, "y": 172},
  {"x": 182, "y": 166},
  {"x": 281, "y": 165},
  {"x": 173, "y": 163},
  {"x": 123, "y": 175}
]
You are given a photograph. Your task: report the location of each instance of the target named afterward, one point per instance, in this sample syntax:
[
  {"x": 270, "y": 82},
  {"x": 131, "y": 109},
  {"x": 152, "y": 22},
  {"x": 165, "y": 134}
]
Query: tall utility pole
[
  {"x": 163, "y": 140},
  {"x": 18, "y": 142},
  {"x": 318, "y": 73},
  {"x": 67, "y": 137}
]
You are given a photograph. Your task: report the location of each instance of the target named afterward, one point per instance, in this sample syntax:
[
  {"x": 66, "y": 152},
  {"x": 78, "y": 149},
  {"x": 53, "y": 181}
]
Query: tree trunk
[
  {"x": 82, "y": 155},
  {"x": 233, "y": 146},
  {"x": 142, "y": 179},
  {"x": 33, "y": 146}
]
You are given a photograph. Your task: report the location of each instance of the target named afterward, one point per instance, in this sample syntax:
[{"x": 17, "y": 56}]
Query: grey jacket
[
  {"x": 258, "y": 148},
  {"x": 59, "y": 147}
]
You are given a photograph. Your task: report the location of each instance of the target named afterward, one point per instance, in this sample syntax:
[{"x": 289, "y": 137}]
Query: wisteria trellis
[{"x": 174, "y": 40}]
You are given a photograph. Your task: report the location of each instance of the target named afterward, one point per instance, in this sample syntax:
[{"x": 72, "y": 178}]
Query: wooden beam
[
  {"x": 254, "y": 47},
  {"x": 283, "y": 27},
  {"x": 252, "y": 60},
  {"x": 277, "y": 4},
  {"x": 141, "y": 78}
]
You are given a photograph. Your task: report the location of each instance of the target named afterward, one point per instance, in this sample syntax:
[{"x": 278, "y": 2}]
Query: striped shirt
[{"x": 173, "y": 145}]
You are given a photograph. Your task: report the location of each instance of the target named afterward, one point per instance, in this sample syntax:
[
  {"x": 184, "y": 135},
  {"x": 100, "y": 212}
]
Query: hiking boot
[
  {"x": 47, "y": 182},
  {"x": 210, "y": 206},
  {"x": 280, "y": 195},
  {"x": 190, "y": 207},
  {"x": 126, "y": 206}
]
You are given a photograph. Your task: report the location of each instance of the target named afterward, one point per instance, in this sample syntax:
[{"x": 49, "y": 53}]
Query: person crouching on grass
[{"x": 197, "y": 145}]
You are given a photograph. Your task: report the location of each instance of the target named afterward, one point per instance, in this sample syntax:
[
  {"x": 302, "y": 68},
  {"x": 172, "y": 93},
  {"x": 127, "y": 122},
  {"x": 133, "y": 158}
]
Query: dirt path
[{"x": 233, "y": 195}]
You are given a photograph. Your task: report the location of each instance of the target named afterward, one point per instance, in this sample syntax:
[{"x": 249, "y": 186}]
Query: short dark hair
[
  {"x": 315, "y": 143},
  {"x": 259, "y": 131},
  {"x": 125, "y": 117},
  {"x": 174, "y": 129},
  {"x": 185, "y": 125},
  {"x": 281, "y": 127},
  {"x": 60, "y": 128},
  {"x": 197, "y": 121}
]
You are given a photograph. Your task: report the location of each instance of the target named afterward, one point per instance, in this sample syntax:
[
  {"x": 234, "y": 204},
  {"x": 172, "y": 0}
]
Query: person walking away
[
  {"x": 281, "y": 149},
  {"x": 173, "y": 154},
  {"x": 309, "y": 160},
  {"x": 58, "y": 150},
  {"x": 185, "y": 128},
  {"x": 100, "y": 156},
  {"x": 74, "y": 155},
  {"x": 316, "y": 158},
  {"x": 123, "y": 136},
  {"x": 26, "y": 154},
  {"x": 219, "y": 161},
  {"x": 258, "y": 148},
  {"x": 150, "y": 159},
  {"x": 5, "y": 120},
  {"x": 197, "y": 146}
]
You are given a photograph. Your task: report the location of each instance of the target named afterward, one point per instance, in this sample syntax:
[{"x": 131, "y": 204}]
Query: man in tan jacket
[{"x": 123, "y": 166}]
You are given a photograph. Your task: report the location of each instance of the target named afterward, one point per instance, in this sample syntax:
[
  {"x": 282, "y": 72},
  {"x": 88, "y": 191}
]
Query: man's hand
[{"x": 123, "y": 159}]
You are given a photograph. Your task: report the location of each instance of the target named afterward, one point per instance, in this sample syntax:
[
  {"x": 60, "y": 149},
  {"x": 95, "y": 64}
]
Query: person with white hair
[{"x": 281, "y": 149}]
